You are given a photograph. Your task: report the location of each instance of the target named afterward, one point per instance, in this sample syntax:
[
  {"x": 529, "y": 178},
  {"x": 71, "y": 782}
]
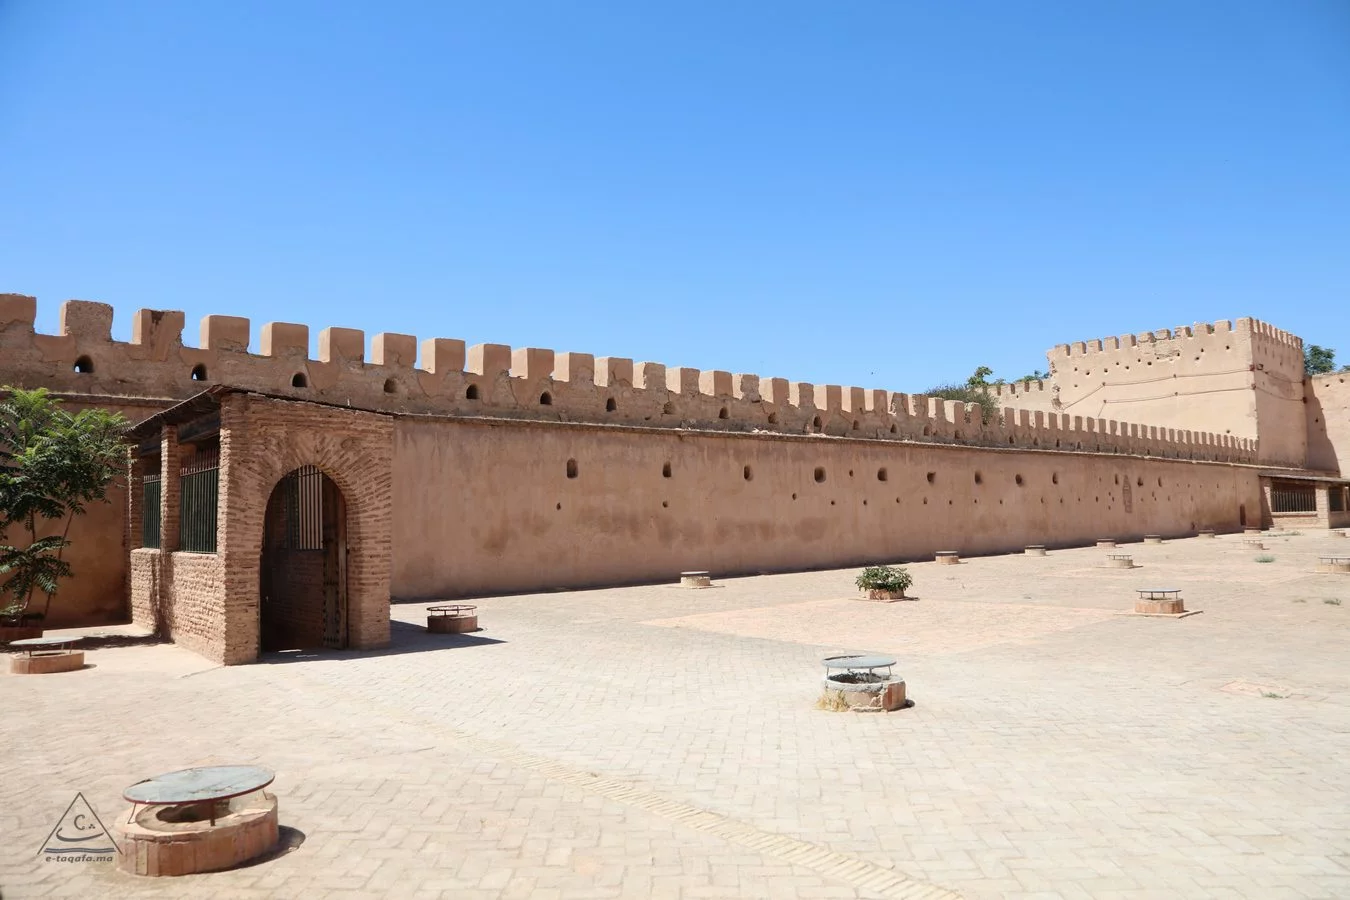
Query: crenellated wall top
[{"x": 525, "y": 383}]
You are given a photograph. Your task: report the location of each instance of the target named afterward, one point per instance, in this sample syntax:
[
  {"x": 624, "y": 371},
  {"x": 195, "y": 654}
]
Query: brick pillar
[
  {"x": 168, "y": 489},
  {"x": 135, "y": 499},
  {"x": 1323, "y": 494}
]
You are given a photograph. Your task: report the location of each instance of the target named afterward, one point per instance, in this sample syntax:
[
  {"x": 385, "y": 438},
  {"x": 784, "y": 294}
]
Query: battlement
[
  {"x": 526, "y": 383},
  {"x": 1251, "y": 329}
]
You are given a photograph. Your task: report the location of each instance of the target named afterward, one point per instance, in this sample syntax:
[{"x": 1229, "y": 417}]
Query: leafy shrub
[
  {"x": 1265, "y": 558},
  {"x": 885, "y": 578}
]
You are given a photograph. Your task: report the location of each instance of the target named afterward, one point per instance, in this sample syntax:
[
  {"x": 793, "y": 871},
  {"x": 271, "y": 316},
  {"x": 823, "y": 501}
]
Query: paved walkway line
[{"x": 860, "y": 873}]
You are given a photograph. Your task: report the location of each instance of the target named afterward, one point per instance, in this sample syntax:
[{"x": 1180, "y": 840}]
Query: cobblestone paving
[{"x": 661, "y": 742}]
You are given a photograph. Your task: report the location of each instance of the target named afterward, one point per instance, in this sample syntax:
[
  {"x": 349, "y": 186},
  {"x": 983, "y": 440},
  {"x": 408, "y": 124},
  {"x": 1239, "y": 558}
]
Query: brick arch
[{"x": 263, "y": 440}]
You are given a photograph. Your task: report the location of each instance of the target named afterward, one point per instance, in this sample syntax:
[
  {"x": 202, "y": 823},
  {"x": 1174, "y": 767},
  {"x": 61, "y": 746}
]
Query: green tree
[
  {"x": 1319, "y": 360},
  {"x": 53, "y": 464}
]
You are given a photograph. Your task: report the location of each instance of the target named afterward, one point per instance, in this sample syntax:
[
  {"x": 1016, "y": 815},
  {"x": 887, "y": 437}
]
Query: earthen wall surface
[
  {"x": 1240, "y": 378},
  {"x": 511, "y": 506},
  {"x": 1328, "y": 422}
]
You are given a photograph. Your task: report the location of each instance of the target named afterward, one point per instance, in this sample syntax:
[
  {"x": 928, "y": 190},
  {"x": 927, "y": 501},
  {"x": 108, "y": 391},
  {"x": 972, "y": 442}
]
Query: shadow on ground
[{"x": 403, "y": 638}]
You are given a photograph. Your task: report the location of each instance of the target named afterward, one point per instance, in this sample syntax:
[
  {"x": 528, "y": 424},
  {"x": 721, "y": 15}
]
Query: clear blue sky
[{"x": 876, "y": 192}]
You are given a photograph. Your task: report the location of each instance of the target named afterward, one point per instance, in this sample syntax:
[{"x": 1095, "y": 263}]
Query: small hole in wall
[
  {"x": 748, "y": 474},
  {"x": 1159, "y": 482},
  {"x": 927, "y": 431},
  {"x": 471, "y": 392},
  {"x": 545, "y": 399},
  {"x": 1139, "y": 483},
  {"x": 979, "y": 479},
  {"x": 773, "y": 418},
  {"x": 390, "y": 386},
  {"x": 665, "y": 471},
  {"x": 722, "y": 413},
  {"x": 559, "y": 506},
  {"x": 794, "y": 496},
  {"x": 932, "y": 476},
  {"x": 1117, "y": 479},
  {"x": 299, "y": 380},
  {"x": 855, "y": 424},
  {"x": 882, "y": 474},
  {"x": 832, "y": 503},
  {"x": 668, "y": 409},
  {"x": 199, "y": 372},
  {"x": 1054, "y": 478},
  {"x": 665, "y": 504},
  {"x": 571, "y": 468},
  {"x": 894, "y": 429},
  {"x": 1011, "y": 439},
  {"x": 925, "y": 501},
  {"x": 1018, "y": 479},
  {"x": 820, "y": 475},
  {"x": 611, "y": 405},
  {"x": 850, "y": 473},
  {"x": 815, "y": 423},
  {"x": 84, "y": 365},
  {"x": 864, "y": 503},
  {"x": 897, "y": 499}
]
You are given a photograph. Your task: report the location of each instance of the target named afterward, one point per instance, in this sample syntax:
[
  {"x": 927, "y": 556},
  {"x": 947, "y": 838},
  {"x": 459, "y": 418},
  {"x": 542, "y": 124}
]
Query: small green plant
[
  {"x": 1332, "y": 601},
  {"x": 1271, "y": 695},
  {"x": 1265, "y": 558},
  {"x": 885, "y": 578}
]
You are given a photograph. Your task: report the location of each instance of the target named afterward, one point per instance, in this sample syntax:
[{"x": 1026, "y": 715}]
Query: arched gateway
[{"x": 302, "y": 577}]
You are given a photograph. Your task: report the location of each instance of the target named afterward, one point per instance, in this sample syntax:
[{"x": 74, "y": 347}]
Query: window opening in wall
[
  {"x": 390, "y": 386},
  {"x": 979, "y": 479},
  {"x": 1054, "y": 478},
  {"x": 820, "y": 474},
  {"x": 932, "y": 476},
  {"x": 471, "y": 392},
  {"x": 150, "y": 495},
  {"x": 1292, "y": 497},
  {"x": 855, "y": 424},
  {"x": 84, "y": 365},
  {"x": 882, "y": 475},
  {"x": 298, "y": 380},
  {"x": 722, "y": 413},
  {"x": 199, "y": 372},
  {"x": 571, "y": 468},
  {"x": 665, "y": 471},
  {"x": 545, "y": 399},
  {"x": 815, "y": 423},
  {"x": 198, "y": 496},
  {"x": 894, "y": 429},
  {"x": 610, "y": 405},
  {"x": 747, "y": 473}
]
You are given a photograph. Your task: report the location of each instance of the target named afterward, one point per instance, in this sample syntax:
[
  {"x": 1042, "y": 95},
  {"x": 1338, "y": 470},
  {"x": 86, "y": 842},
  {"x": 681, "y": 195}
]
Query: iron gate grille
[
  {"x": 1292, "y": 498},
  {"x": 199, "y": 491},
  {"x": 304, "y": 509},
  {"x": 150, "y": 494}
]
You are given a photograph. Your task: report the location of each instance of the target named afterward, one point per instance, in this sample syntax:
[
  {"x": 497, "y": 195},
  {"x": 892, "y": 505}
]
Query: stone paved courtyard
[{"x": 660, "y": 742}]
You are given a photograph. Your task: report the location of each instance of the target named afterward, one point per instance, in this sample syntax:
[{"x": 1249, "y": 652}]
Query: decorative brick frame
[{"x": 261, "y": 441}]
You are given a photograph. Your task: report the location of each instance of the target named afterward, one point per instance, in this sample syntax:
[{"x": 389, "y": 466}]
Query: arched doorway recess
[{"x": 302, "y": 589}]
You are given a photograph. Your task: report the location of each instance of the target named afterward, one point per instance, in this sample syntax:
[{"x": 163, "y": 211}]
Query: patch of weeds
[
  {"x": 1265, "y": 558},
  {"x": 1332, "y": 601},
  {"x": 1271, "y": 695},
  {"x": 832, "y": 701}
]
